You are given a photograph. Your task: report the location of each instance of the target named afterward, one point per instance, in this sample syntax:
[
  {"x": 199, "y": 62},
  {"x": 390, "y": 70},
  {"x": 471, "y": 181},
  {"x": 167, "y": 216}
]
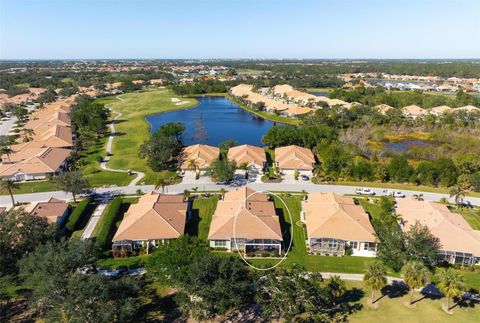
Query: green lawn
[
  {"x": 472, "y": 216},
  {"x": 132, "y": 127},
  {"x": 97, "y": 176},
  {"x": 35, "y": 187},
  {"x": 319, "y": 89},
  {"x": 201, "y": 217},
  {"x": 266, "y": 115},
  {"x": 392, "y": 308},
  {"x": 298, "y": 253}
]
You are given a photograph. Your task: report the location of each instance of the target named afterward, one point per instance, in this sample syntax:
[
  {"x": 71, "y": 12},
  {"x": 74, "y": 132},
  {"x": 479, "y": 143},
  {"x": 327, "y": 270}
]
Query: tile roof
[{"x": 329, "y": 215}]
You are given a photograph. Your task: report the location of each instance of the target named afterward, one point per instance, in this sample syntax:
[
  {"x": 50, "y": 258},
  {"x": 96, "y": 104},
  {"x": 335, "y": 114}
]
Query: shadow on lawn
[
  {"x": 350, "y": 301},
  {"x": 285, "y": 227},
  {"x": 395, "y": 290},
  {"x": 193, "y": 222},
  {"x": 159, "y": 308}
]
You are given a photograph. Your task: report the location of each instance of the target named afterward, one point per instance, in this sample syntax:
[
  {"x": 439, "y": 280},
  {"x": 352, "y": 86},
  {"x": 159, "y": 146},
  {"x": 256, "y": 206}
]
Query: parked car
[
  {"x": 223, "y": 182},
  {"x": 393, "y": 193},
  {"x": 137, "y": 272},
  {"x": 364, "y": 191},
  {"x": 304, "y": 177}
]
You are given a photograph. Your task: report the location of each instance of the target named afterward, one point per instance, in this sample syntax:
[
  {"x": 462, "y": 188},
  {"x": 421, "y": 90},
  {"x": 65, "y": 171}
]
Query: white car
[
  {"x": 364, "y": 191},
  {"x": 393, "y": 193}
]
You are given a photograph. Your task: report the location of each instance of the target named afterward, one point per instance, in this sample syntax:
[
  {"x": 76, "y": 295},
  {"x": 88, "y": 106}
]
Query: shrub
[
  {"x": 99, "y": 159},
  {"x": 75, "y": 218},
  {"x": 108, "y": 223}
]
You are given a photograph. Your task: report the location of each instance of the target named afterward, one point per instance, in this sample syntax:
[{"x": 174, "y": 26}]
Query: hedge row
[
  {"x": 75, "y": 218},
  {"x": 109, "y": 220}
]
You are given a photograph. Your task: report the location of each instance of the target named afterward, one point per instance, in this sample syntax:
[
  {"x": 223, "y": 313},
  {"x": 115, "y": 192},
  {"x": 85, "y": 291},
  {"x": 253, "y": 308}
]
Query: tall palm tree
[
  {"x": 186, "y": 195},
  {"x": 416, "y": 275},
  {"x": 6, "y": 150},
  {"x": 161, "y": 182},
  {"x": 375, "y": 277},
  {"x": 450, "y": 283},
  {"x": 337, "y": 287},
  {"x": 222, "y": 192},
  {"x": 458, "y": 193},
  {"x": 27, "y": 134},
  {"x": 192, "y": 165},
  {"x": 7, "y": 185}
]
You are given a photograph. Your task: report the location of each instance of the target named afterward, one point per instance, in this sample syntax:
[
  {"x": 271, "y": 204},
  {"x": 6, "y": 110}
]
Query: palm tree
[
  {"x": 161, "y": 182},
  {"x": 375, "y": 277},
  {"x": 6, "y": 150},
  {"x": 416, "y": 275},
  {"x": 418, "y": 197},
  {"x": 222, "y": 192},
  {"x": 7, "y": 185},
  {"x": 304, "y": 194},
  {"x": 450, "y": 283},
  {"x": 336, "y": 287},
  {"x": 27, "y": 134},
  {"x": 192, "y": 165},
  {"x": 458, "y": 193},
  {"x": 186, "y": 195}
]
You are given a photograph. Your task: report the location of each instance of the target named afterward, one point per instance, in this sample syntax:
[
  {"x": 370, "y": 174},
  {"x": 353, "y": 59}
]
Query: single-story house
[
  {"x": 294, "y": 158},
  {"x": 460, "y": 244},
  {"x": 467, "y": 108},
  {"x": 254, "y": 157},
  {"x": 154, "y": 220},
  {"x": 414, "y": 111},
  {"x": 335, "y": 223},
  {"x": 199, "y": 157},
  {"x": 442, "y": 109},
  {"x": 384, "y": 108},
  {"x": 34, "y": 163},
  {"x": 245, "y": 221},
  {"x": 54, "y": 210}
]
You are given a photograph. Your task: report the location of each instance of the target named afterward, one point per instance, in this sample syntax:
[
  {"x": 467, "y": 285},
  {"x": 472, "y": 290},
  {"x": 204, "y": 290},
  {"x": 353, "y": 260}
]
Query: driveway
[{"x": 7, "y": 125}]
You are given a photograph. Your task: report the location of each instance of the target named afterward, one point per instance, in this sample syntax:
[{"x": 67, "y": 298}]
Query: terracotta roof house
[
  {"x": 459, "y": 242},
  {"x": 294, "y": 158},
  {"x": 156, "y": 81},
  {"x": 281, "y": 90},
  {"x": 442, "y": 109},
  {"x": 254, "y": 157},
  {"x": 155, "y": 219},
  {"x": 246, "y": 221},
  {"x": 467, "y": 108},
  {"x": 335, "y": 223},
  {"x": 54, "y": 210},
  {"x": 201, "y": 155},
  {"x": 414, "y": 111},
  {"x": 294, "y": 111},
  {"x": 35, "y": 163},
  {"x": 384, "y": 108}
]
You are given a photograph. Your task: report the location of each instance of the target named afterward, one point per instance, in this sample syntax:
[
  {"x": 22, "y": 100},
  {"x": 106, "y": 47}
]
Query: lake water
[
  {"x": 215, "y": 119},
  {"x": 320, "y": 93},
  {"x": 404, "y": 145}
]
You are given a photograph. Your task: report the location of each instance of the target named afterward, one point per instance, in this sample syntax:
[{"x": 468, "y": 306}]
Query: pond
[
  {"x": 214, "y": 120},
  {"x": 322, "y": 93},
  {"x": 404, "y": 145}
]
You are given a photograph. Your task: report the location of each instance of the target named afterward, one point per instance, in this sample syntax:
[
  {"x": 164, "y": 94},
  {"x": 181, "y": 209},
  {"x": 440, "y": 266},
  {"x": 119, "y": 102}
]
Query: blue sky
[{"x": 43, "y": 29}]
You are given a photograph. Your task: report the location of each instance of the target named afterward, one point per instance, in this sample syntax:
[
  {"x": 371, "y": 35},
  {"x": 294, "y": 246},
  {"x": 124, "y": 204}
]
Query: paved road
[
  {"x": 104, "y": 165},
  {"x": 179, "y": 188}
]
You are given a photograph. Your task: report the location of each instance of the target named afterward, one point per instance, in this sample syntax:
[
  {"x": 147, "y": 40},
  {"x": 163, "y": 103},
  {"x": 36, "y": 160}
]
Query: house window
[
  {"x": 354, "y": 244},
  {"x": 333, "y": 244},
  {"x": 220, "y": 243},
  {"x": 368, "y": 246}
]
